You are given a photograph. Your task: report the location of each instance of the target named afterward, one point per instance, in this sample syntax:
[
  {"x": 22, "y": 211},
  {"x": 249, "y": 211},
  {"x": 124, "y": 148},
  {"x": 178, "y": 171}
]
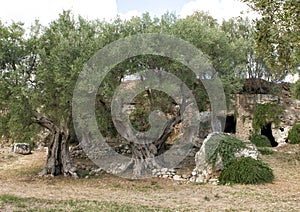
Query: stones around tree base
[
  {"x": 171, "y": 174},
  {"x": 21, "y": 148},
  {"x": 77, "y": 152},
  {"x": 164, "y": 173}
]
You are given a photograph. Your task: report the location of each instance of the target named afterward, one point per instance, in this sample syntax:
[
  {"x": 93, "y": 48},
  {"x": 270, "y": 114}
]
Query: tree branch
[{"x": 45, "y": 122}]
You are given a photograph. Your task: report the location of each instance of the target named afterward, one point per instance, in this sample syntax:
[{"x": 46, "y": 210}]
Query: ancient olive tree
[
  {"x": 169, "y": 25},
  {"x": 39, "y": 72}
]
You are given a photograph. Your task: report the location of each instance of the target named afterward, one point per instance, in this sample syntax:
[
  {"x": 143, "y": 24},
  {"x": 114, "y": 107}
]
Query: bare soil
[{"x": 19, "y": 177}]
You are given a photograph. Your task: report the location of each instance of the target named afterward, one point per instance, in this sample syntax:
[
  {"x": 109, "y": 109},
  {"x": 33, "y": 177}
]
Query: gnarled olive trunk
[
  {"x": 144, "y": 155},
  {"x": 58, "y": 158}
]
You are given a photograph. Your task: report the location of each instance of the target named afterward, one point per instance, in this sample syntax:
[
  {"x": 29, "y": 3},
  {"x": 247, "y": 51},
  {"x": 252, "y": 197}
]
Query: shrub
[
  {"x": 294, "y": 134},
  {"x": 264, "y": 114},
  {"x": 265, "y": 151},
  {"x": 224, "y": 145},
  {"x": 296, "y": 90},
  {"x": 260, "y": 141},
  {"x": 246, "y": 170}
]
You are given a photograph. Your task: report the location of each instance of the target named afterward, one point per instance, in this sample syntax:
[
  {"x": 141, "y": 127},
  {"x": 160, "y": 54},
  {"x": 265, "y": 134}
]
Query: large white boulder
[{"x": 205, "y": 170}]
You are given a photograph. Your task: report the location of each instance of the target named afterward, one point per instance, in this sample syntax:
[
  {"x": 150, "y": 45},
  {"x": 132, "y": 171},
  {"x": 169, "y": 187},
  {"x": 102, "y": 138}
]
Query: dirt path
[{"x": 18, "y": 176}]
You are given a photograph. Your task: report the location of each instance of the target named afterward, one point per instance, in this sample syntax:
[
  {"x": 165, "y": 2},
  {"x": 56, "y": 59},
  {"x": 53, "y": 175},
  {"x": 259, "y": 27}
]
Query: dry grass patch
[{"x": 19, "y": 180}]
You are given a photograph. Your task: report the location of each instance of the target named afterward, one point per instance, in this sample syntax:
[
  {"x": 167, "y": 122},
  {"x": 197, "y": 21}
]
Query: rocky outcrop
[
  {"x": 244, "y": 105},
  {"x": 21, "y": 148},
  {"x": 205, "y": 171}
]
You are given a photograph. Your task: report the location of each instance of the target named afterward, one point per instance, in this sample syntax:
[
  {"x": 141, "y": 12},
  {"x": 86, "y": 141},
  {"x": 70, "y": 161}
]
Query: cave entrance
[
  {"x": 230, "y": 125},
  {"x": 267, "y": 131}
]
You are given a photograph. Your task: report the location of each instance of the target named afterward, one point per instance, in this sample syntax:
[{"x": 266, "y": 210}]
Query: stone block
[{"x": 21, "y": 148}]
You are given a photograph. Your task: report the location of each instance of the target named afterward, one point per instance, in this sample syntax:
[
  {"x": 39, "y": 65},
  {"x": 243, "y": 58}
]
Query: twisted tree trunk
[
  {"x": 58, "y": 158},
  {"x": 144, "y": 154}
]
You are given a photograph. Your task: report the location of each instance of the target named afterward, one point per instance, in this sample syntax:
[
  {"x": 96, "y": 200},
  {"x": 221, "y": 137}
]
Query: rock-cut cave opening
[
  {"x": 230, "y": 124},
  {"x": 267, "y": 131}
]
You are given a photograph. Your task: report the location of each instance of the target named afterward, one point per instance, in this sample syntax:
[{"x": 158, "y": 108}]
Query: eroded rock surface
[{"x": 205, "y": 171}]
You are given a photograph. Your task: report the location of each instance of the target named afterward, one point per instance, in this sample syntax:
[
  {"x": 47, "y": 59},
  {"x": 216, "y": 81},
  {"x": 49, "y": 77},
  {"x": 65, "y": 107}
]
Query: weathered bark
[
  {"x": 58, "y": 158},
  {"x": 144, "y": 154},
  {"x": 149, "y": 148}
]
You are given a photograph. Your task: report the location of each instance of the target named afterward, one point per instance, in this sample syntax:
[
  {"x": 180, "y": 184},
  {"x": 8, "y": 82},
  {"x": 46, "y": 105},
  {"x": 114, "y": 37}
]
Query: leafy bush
[
  {"x": 294, "y": 134},
  {"x": 260, "y": 141},
  {"x": 265, "y": 151},
  {"x": 224, "y": 145},
  {"x": 296, "y": 90},
  {"x": 264, "y": 114},
  {"x": 246, "y": 170}
]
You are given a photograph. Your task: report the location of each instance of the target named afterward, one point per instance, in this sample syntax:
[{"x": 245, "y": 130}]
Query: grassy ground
[
  {"x": 22, "y": 190},
  {"x": 14, "y": 203}
]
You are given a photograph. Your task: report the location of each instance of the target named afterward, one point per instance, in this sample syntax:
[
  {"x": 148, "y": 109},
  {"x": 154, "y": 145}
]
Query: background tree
[
  {"x": 250, "y": 67},
  {"x": 278, "y": 34},
  {"x": 240, "y": 33},
  {"x": 204, "y": 32},
  {"x": 18, "y": 62}
]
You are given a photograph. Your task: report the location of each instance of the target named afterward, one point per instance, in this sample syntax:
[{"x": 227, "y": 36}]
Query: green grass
[
  {"x": 15, "y": 203},
  {"x": 10, "y": 156},
  {"x": 148, "y": 188},
  {"x": 6, "y": 198}
]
